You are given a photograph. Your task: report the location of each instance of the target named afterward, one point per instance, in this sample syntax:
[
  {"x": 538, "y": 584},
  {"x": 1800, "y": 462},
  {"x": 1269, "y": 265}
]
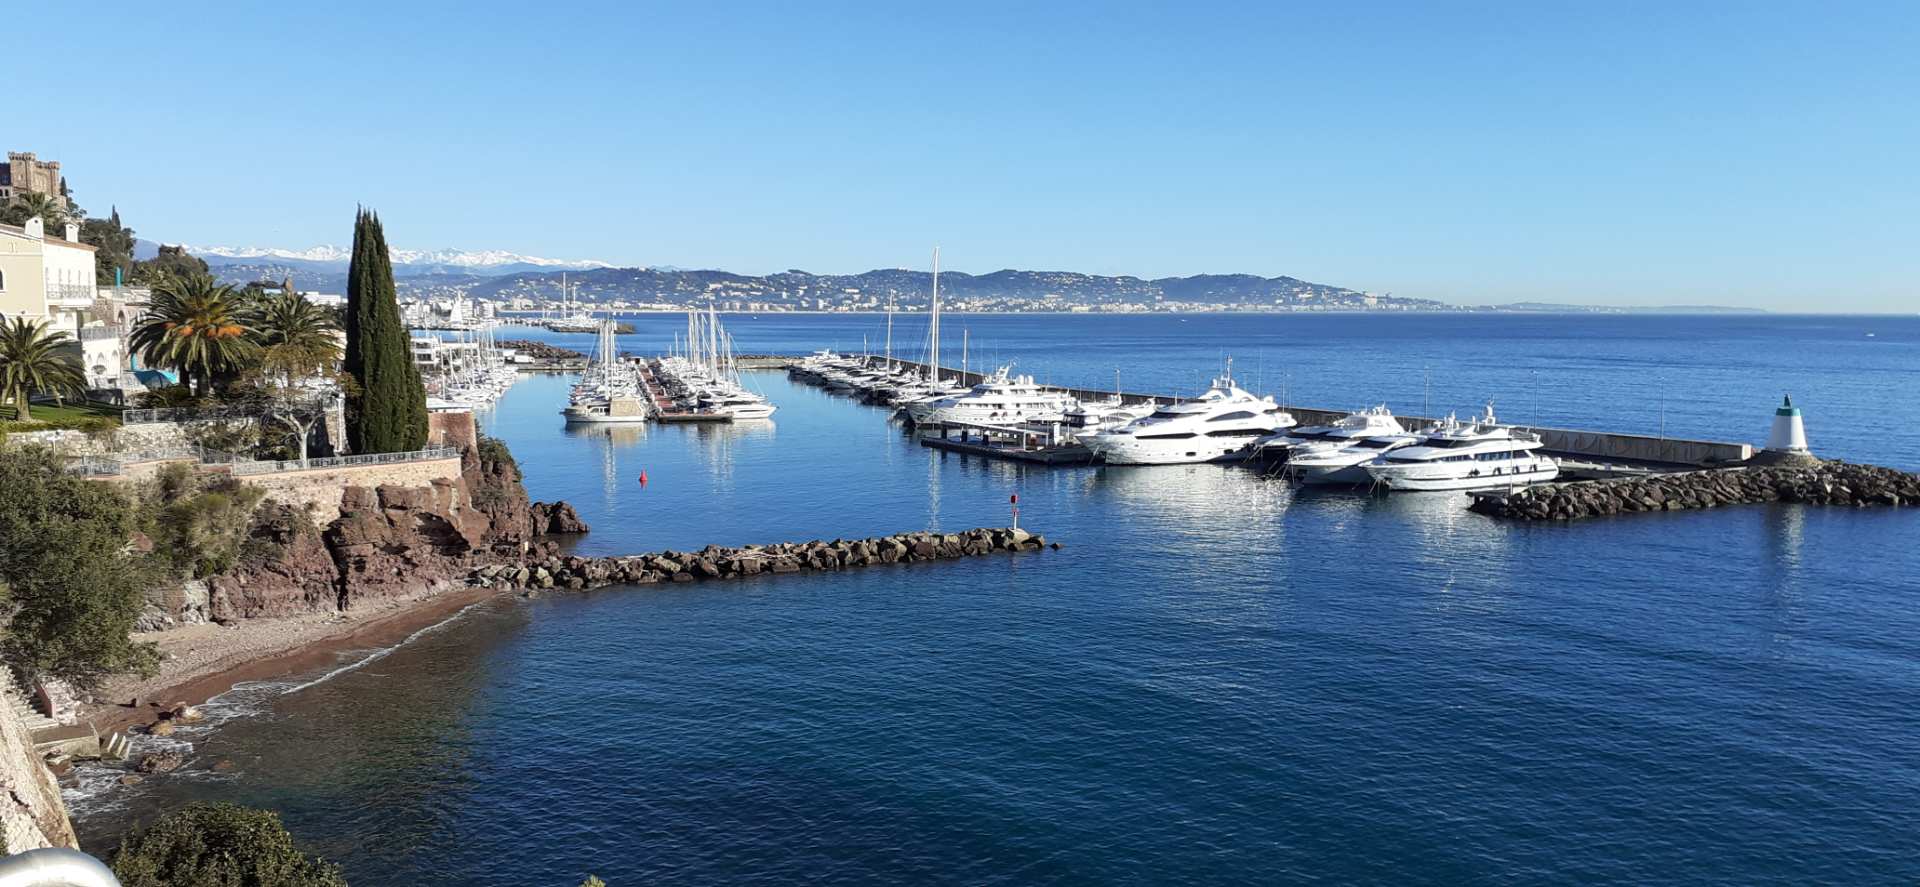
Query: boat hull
[{"x": 1434, "y": 481}]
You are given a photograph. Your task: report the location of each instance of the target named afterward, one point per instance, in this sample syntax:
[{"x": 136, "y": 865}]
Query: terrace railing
[{"x": 275, "y": 466}]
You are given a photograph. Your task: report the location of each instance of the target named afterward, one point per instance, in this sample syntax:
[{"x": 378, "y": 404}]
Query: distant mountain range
[
  {"x": 333, "y": 260},
  {"x": 498, "y": 274}
]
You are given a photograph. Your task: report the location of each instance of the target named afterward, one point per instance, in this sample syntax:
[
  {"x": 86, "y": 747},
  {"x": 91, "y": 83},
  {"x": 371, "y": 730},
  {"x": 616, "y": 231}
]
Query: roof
[{"x": 59, "y": 241}]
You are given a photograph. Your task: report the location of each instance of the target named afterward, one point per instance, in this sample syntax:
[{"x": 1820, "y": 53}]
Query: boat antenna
[{"x": 1426, "y": 406}]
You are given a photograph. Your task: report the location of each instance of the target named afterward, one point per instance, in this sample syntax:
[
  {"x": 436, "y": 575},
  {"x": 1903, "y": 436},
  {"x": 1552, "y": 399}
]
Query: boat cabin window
[
  {"x": 1178, "y": 435},
  {"x": 1164, "y": 414},
  {"x": 1238, "y": 432},
  {"x": 1229, "y": 417}
]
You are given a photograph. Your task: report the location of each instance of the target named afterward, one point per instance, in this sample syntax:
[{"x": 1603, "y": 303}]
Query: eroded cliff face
[
  {"x": 31, "y": 812},
  {"x": 389, "y": 541}
]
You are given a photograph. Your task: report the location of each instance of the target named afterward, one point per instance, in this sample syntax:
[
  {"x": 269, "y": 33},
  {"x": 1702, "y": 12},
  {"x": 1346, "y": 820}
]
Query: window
[
  {"x": 1229, "y": 417},
  {"x": 1237, "y": 432},
  {"x": 1178, "y": 435},
  {"x": 3, "y": 281}
]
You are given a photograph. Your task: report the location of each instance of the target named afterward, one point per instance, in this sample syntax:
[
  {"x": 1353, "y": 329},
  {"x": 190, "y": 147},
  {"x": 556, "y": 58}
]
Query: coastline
[{"x": 206, "y": 660}]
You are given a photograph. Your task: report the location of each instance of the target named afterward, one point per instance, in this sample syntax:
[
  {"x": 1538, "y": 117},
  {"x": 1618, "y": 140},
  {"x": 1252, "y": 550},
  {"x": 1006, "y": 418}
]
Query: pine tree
[{"x": 387, "y": 412}]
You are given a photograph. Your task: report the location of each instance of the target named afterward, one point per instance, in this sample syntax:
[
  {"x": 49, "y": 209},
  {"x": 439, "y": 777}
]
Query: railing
[
  {"x": 96, "y": 466},
  {"x": 276, "y": 466},
  {"x": 115, "y": 464},
  {"x": 187, "y": 414},
  {"x": 94, "y": 333},
  {"x": 72, "y": 295},
  {"x": 196, "y": 414}
]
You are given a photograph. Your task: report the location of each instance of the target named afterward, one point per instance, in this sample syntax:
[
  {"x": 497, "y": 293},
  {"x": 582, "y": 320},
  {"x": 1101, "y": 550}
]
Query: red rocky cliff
[{"x": 389, "y": 541}]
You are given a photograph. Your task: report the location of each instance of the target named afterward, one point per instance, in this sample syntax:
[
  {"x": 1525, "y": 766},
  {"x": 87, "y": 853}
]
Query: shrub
[
  {"x": 219, "y": 845},
  {"x": 201, "y": 534},
  {"x": 70, "y": 580},
  {"x": 493, "y": 449}
]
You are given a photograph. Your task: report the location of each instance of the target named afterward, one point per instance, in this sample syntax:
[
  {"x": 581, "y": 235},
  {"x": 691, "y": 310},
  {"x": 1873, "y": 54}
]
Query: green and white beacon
[{"x": 1789, "y": 435}]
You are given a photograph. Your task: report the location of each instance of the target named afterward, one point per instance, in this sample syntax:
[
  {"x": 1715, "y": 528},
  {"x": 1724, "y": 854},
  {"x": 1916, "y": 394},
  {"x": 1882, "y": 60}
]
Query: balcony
[
  {"x": 71, "y": 295},
  {"x": 97, "y": 333}
]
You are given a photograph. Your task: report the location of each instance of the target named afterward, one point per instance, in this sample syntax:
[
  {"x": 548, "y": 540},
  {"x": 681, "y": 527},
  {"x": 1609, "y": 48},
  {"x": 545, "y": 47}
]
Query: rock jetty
[
  {"x": 1827, "y": 483},
  {"x": 716, "y": 562}
]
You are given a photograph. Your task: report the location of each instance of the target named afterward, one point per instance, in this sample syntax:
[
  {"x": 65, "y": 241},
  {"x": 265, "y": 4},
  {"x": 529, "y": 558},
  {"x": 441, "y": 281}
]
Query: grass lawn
[{"x": 46, "y": 412}]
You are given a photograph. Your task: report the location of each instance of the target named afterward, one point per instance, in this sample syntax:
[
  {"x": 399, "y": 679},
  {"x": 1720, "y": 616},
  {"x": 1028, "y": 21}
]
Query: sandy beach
[{"x": 200, "y": 662}]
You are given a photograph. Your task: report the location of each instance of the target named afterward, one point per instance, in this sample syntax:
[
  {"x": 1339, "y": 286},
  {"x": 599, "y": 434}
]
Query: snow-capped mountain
[{"x": 477, "y": 260}]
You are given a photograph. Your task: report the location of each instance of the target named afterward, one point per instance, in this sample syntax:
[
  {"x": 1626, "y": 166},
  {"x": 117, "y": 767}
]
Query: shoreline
[{"x": 206, "y": 660}]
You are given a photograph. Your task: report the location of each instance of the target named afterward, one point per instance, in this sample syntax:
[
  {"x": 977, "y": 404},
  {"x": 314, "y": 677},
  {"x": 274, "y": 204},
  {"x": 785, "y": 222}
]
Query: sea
[{"x": 1218, "y": 679}]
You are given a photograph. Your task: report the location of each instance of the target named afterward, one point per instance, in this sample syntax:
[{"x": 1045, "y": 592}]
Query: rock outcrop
[
  {"x": 1828, "y": 483},
  {"x": 551, "y": 570},
  {"x": 388, "y": 541},
  {"x": 556, "y": 519}
]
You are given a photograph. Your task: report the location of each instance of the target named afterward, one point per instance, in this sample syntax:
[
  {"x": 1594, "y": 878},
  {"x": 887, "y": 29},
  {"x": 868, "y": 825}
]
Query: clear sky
[{"x": 1746, "y": 154}]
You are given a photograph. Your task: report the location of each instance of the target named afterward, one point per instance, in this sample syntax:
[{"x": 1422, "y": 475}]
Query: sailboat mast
[
  {"x": 963, "y": 354},
  {"x": 713, "y": 334},
  {"x": 933, "y": 365},
  {"x": 889, "y": 331}
]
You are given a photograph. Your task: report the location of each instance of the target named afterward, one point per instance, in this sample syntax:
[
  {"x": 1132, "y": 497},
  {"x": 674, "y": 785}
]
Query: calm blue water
[{"x": 1219, "y": 680}]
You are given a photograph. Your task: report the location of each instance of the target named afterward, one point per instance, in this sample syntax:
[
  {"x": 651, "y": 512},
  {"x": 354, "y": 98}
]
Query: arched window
[{"x": 3, "y": 281}]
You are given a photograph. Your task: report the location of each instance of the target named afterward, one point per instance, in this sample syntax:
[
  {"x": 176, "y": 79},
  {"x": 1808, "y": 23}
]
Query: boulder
[{"x": 161, "y": 762}]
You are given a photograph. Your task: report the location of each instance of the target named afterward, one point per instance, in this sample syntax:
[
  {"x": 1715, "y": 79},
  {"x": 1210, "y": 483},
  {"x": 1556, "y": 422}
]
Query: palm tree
[
  {"x": 299, "y": 337},
  {"x": 27, "y": 204},
  {"x": 31, "y": 360},
  {"x": 299, "y": 344},
  {"x": 197, "y": 326}
]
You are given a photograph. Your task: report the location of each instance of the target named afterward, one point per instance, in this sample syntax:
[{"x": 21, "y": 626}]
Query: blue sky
[{"x": 1750, "y": 154}]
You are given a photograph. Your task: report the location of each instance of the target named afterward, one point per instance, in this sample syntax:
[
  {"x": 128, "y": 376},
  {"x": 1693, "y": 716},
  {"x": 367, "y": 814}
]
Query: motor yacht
[
  {"x": 1333, "y": 463},
  {"x": 999, "y": 399},
  {"x": 1087, "y": 418},
  {"x": 1221, "y": 425},
  {"x": 1349, "y": 429},
  {"x": 1477, "y": 455}
]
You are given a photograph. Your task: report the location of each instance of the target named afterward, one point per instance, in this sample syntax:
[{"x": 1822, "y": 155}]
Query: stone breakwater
[
  {"x": 716, "y": 562},
  {"x": 1828, "y": 483}
]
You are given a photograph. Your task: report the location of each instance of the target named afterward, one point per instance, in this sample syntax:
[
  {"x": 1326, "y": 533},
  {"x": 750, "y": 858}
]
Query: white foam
[{"x": 380, "y": 654}]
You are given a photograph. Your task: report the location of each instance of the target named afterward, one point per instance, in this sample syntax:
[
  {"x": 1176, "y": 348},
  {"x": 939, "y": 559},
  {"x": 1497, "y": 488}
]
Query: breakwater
[
  {"x": 1827, "y": 483},
  {"x": 717, "y": 562}
]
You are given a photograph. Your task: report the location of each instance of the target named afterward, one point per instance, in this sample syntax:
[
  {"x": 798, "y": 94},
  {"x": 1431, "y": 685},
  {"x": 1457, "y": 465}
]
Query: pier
[{"x": 1001, "y": 442}]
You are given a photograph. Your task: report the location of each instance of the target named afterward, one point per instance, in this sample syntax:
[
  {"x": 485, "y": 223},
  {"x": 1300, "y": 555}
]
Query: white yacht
[
  {"x": 1336, "y": 464},
  {"x": 1087, "y": 418},
  {"x": 1349, "y": 429},
  {"x": 1221, "y": 425},
  {"x": 999, "y": 399},
  {"x": 618, "y": 410},
  {"x": 1466, "y": 456}
]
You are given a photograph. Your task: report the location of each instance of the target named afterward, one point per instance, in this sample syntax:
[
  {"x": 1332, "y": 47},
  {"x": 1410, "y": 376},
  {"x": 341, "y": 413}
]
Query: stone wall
[
  {"x": 320, "y": 489},
  {"x": 31, "y": 812}
]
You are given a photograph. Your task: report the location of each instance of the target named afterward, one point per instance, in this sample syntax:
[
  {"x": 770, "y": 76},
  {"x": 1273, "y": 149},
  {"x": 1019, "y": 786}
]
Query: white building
[{"x": 46, "y": 277}]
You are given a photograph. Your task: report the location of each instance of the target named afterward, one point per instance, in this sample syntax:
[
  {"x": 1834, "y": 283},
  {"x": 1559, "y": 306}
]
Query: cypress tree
[{"x": 388, "y": 412}]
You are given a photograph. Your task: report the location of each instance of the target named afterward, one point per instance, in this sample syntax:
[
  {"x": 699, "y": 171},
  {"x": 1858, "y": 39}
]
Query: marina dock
[{"x": 1583, "y": 454}]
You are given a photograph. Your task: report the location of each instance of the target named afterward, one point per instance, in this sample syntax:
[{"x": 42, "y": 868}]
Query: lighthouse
[{"x": 1787, "y": 442}]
